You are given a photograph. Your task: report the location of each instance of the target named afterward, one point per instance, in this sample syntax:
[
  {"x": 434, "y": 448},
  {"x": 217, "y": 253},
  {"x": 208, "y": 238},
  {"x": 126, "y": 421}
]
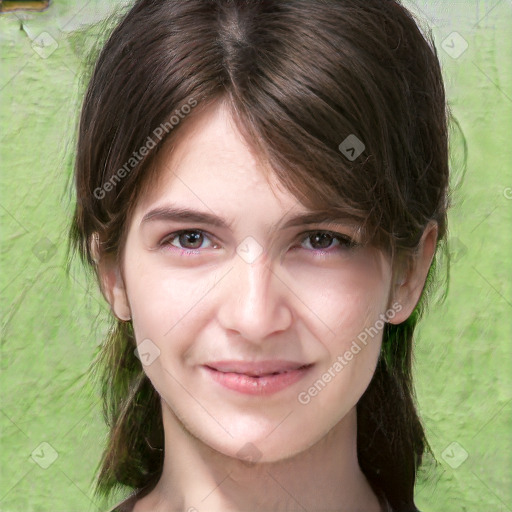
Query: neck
[{"x": 325, "y": 477}]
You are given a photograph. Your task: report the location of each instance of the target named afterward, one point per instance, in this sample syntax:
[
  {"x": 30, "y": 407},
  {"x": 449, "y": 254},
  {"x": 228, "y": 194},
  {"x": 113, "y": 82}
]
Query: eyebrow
[{"x": 175, "y": 213}]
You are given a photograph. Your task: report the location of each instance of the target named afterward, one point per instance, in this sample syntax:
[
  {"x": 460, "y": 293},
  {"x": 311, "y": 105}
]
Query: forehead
[{"x": 210, "y": 165}]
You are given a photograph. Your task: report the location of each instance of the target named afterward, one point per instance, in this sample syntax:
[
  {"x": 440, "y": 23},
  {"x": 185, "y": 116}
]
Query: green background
[{"x": 52, "y": 324}]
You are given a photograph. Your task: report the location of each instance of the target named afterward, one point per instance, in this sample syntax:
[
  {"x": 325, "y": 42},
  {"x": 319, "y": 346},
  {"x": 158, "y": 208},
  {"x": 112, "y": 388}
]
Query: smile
[{"x": 262, "y": 378}]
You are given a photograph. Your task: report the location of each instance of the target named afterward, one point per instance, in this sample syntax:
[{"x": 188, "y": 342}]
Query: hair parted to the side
[{"x": 299, "y": 77}]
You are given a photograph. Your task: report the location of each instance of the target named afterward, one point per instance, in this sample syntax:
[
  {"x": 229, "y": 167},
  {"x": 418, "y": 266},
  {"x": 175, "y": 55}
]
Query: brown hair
[{"x": 300, "y": 76}]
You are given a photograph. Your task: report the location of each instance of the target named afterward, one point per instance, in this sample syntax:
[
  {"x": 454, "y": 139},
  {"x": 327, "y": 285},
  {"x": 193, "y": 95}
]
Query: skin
[{"x": 292, "y": 302}]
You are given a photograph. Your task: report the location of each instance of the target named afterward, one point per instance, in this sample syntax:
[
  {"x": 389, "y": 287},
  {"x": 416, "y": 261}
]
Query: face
[{"x": 252, "y": 328}]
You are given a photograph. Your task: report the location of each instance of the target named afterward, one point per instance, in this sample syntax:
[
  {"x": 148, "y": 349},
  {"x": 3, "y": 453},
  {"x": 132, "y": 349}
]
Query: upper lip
[{"x": 256, "y": 368}]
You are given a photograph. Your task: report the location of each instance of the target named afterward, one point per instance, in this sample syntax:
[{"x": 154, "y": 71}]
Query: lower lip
[{"x": 266, "y": 385}]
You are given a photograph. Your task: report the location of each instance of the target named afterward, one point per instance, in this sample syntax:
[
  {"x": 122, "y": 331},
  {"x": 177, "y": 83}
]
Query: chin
[{"x": 261, "y": 447}]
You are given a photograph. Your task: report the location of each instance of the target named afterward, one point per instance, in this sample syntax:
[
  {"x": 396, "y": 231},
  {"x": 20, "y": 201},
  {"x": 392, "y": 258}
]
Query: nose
[{"x": 255, "y": 301}]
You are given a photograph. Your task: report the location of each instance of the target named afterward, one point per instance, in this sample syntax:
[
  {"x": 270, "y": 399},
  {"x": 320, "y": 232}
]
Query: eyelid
[
  {"x": 335, "y": 234},
  {"x": 166, "y": 240},
  {"x": 350, "y": 230},
  {"x": 349, "y": 240},
  {"x": 345, "y": 242}
]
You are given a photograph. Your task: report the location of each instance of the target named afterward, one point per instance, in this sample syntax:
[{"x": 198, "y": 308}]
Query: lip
[{"x": 257, "y": 378}]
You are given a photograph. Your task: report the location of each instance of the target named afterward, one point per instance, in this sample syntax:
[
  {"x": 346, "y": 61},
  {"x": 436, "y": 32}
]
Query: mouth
[{"x": 257, "y": 378}]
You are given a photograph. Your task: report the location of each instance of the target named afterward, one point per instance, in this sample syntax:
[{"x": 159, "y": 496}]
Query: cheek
[
  {"x": 164, "y": 301},
  {"x": 343, "y": 298},
  {"x": 168, "y": 308},
  {"x": 351, "y": 352},
  {"x": 347, "y": 301}
]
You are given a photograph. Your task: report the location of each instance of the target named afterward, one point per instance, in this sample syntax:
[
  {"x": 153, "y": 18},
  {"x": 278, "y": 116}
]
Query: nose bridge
[
  {"x": 255, "y": 303},
  {"x": 256, "y": 280}
]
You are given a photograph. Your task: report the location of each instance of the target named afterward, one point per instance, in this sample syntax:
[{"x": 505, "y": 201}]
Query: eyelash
[{"x": 345, "y": 242}]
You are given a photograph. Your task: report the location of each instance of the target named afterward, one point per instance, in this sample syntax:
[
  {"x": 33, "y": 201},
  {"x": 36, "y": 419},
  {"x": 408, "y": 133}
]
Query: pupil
[
  {"x": 324, "y": 240},
  {"x": 187, "y": 239}
]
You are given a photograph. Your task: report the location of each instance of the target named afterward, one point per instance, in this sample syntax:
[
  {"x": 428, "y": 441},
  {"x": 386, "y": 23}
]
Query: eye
[
  {"x": 187, "y": 241},
  {"x": 193, "y": 241},
  {"x": 322, "y": 241}
]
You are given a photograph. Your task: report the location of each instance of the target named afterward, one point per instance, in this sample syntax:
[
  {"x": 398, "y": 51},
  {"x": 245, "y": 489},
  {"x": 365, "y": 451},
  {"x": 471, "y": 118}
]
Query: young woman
[{"x": 261, "y": 192}]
